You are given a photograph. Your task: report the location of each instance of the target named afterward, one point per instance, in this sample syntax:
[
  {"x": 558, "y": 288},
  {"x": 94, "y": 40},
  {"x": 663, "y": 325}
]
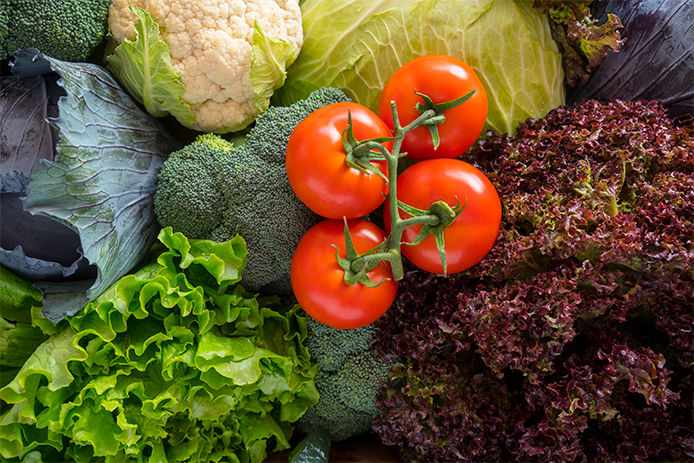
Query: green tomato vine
[{"x": 434, "y": 220}]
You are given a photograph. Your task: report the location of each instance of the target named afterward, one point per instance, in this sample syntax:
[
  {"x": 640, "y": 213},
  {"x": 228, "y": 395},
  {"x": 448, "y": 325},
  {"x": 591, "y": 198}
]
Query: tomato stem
[{"x": 434, "y": 220}]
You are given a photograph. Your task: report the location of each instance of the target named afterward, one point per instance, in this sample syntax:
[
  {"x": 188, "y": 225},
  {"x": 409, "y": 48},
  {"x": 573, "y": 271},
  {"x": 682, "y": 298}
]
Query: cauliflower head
[{"x": 213, "y": 64}]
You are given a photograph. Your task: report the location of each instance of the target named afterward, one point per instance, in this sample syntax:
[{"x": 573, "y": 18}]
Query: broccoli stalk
[
  {"x": 67, "y": 29},
  {"x": 212, "y": 189}
]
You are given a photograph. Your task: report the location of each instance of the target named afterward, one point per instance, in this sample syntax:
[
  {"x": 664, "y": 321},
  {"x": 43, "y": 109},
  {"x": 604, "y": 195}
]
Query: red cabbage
[
  {"x": 657, "y": 60},
  {"x": 95, "y": 175}
]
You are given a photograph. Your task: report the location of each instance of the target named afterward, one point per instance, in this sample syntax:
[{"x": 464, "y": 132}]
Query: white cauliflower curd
[{"x": 229, "y": 56}]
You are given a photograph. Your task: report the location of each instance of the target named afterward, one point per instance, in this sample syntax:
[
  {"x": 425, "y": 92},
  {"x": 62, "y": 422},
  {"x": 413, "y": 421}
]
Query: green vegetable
[
  {"x": 314, "y": 449},
  {"x": 358, "y": 45},
  {"x": 65, "y": 29},
  {"x": 214, "y": 190},
  {"x": 175, "y": 362},
  {"x": 102, "y": 179},
  {"x": 20, "y": 318},
  {"x": 348, "y": 379},
  {"x": 144, "y": 68}
]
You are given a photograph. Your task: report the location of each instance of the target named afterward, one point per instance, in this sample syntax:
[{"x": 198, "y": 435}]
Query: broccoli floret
[
  {"x": 330, "y": 347},
  {"x": 213, "y": 189},
  {"x": 65, "y": 29},
  {"x": 348, "y": 380}
]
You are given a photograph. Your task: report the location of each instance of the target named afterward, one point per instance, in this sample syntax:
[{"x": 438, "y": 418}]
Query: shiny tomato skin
[
  {"x": 443, "y": 78},
  {"x": 318, "y": 281},
  {"x": 470, "y": 237},
  {"x": 316, "y": 165}
]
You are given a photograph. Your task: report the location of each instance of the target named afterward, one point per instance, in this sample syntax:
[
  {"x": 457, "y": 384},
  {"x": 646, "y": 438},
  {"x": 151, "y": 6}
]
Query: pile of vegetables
[
  {"x": 176, "y": 175},
  {"x": 572, "y": 339},
  {"x": 175, "y": 362},
  {"x": 215, "y": 189}
]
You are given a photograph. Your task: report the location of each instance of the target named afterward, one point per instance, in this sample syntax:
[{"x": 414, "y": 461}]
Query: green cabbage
[
  {"x": 357, "y": 45},
  {"x": 173, "y": 363}
]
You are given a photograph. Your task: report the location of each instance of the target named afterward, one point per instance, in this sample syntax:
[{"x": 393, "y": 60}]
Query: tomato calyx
[
  {"x": 445, "y": 215},
  {"x": 361, "y": 154},
  {"x": 438, "y": 109},
  {"x": 356, "y": 268}
]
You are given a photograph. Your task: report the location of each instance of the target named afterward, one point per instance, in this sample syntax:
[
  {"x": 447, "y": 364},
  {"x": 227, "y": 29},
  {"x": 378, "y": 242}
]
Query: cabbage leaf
[
  {"x": 357, "y": 45},
  {"x": 102, "y": 179},
  {"x": 657, "y": 60}
]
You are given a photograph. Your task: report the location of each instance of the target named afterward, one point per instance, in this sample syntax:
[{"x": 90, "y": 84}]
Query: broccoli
[
  {"x": 348, "y": 379},
  {"x": 213, "y": 189},
  {"x": 65, "y": 29}
]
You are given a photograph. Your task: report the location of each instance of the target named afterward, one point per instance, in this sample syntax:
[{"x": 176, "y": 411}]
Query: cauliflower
[{"x": 213, "y": 64}]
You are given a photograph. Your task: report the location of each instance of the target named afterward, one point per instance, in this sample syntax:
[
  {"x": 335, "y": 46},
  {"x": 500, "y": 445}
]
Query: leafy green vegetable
[
  {"x": 584, "y": 43},
  {"x": 145, "y": 70},
  {"x": 102, "y": 179},
  {"x": 33, "y": 246},
  {"x": 656, "y": 61},
  {"x": 175, "y": 362},
  {"x": 571, "y": 340},
  {"x": 20, "y": 305},
  {"x": 357, "y": 45},
  {"x": 315, "y": 448}
]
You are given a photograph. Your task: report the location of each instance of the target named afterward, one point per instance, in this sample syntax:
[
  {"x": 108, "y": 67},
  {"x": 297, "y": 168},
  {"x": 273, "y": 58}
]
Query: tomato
[
  {"x": 443, "y": 78},
  {"x": 470, "y": 237},
  {"x": 318, "y": 280},
  {"x": 316, "y": 162}
]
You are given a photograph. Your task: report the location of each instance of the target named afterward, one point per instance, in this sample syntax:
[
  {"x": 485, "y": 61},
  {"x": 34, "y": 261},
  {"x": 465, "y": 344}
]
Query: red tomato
[
  {"x": 443, "y": 78},
  {"x": 316, "y": 164},
  {"x": 470, "y": 237},
  {"x": 318, "y": 280}
]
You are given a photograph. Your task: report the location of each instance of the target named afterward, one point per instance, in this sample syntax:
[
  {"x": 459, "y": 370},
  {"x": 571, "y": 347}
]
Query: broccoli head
[
  {"x": 213, "y": 189},
  {"x": 65, "y": 29},
  {"x": 348, "y": 379}
]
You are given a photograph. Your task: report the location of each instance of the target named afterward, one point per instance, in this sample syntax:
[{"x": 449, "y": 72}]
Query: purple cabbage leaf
[{"x": 657, "y": 60}]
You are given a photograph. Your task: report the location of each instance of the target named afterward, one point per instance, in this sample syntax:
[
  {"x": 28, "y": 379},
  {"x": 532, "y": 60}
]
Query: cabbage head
[{"x": 357, "y": 45}]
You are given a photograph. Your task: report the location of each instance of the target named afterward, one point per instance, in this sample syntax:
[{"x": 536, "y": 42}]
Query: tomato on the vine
[
  {"x": 318, "y": 280},
  {"x": 443, "y": 78},
  {"x": 317, "y": 167},
  {"x": 473, "y": 233}
]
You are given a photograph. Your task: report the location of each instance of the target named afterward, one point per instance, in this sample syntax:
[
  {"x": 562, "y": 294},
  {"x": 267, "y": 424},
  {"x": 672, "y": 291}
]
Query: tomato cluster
[{"x": 342, "y": 163}]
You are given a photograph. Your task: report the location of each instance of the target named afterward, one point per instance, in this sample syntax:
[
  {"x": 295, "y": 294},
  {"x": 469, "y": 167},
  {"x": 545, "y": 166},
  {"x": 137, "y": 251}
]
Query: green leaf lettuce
[{"x": 173, "y": 363}]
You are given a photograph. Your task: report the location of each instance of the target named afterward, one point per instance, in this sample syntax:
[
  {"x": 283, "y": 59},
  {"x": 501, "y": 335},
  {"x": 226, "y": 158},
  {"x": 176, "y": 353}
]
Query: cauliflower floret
[{"x": 211, "y": 46}]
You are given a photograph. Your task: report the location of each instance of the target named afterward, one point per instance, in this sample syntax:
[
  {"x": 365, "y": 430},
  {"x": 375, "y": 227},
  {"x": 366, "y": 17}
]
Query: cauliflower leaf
[
  {"x": 144, "y": 67},
  {"x": 271, "y": 56}
]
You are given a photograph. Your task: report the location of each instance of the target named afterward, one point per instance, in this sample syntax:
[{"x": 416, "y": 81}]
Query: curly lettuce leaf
[
  {"x": 357, "y": 45},
  {"x": 102, "y": 179},
  {"x": 21, "y": 326},
  {"x": 144, "y": 67},
  {"x": 176, "y": 361}
]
